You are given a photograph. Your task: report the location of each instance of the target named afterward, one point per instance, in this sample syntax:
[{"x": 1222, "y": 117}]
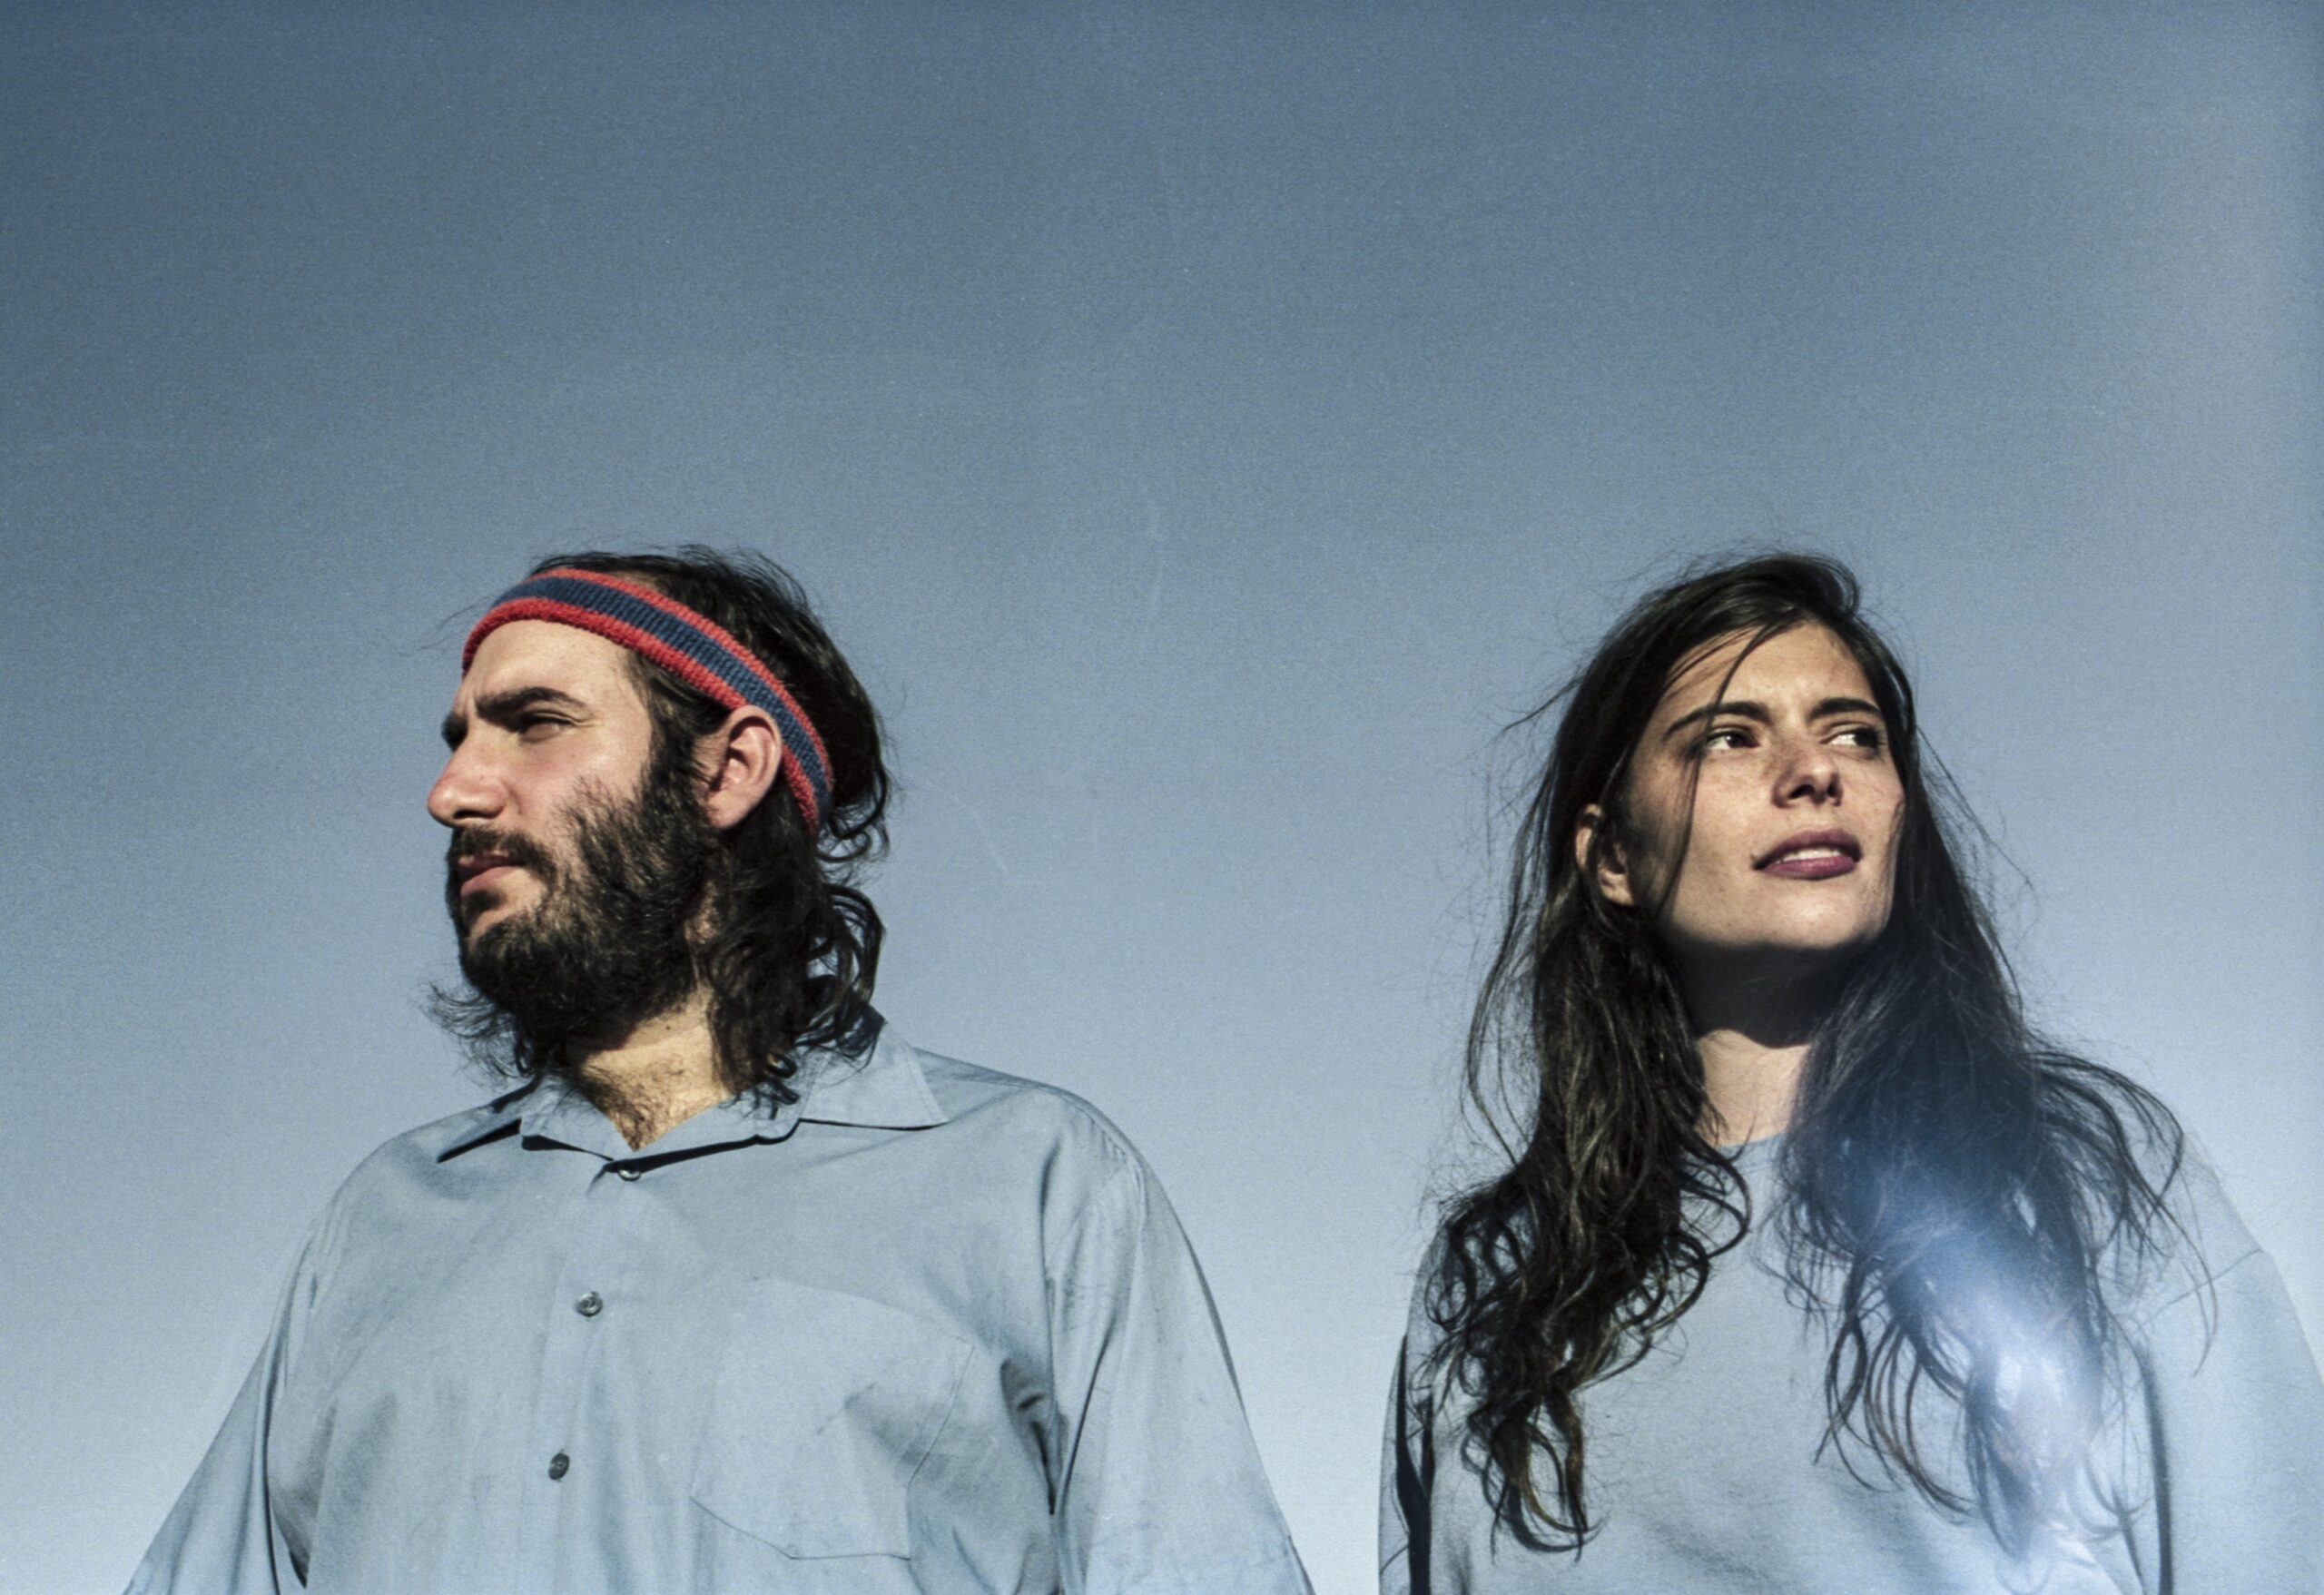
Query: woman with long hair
[{"x": 1812, "y": 1266}]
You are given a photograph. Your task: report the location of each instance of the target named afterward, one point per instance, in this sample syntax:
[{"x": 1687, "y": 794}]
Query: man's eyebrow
[
  {"x": 501, "y": 708},
  {"x": 1752, "y": 709}
]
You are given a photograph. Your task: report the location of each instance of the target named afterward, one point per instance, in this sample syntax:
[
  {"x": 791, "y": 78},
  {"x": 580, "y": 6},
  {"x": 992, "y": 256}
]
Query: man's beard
[{"x": 608, "y": 942}]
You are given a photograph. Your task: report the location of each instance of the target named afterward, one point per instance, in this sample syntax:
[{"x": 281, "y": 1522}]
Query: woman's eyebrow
[
  {"x": 1747, "y": 708},
  {"x": 1752, "y": 709},
  {"x": 1831, "y": 706}
]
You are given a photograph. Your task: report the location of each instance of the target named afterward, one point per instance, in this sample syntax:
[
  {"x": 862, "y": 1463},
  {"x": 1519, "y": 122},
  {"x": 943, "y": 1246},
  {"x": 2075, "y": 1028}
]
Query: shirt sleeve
[
  {"x": 222, "y": 1538},
  {"x": 1407, "y": 1464},
  {"x": 1160, "y": 1489},
  {"x": 2235, "y": 1417}
]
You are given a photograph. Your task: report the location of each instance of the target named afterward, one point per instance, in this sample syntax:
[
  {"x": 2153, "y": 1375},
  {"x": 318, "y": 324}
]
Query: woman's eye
[
  {"x": 1869, "y": 737},
  {"x": 1725, "y": 736}
]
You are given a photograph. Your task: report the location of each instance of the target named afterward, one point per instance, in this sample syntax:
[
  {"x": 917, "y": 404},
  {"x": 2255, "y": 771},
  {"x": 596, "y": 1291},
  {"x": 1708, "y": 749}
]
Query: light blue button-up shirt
[{"x": 928, "y": 1329}]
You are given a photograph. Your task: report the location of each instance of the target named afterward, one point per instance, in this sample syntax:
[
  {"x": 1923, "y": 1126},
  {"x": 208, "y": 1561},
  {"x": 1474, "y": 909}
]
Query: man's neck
[{"x": 658, "y": 1076}]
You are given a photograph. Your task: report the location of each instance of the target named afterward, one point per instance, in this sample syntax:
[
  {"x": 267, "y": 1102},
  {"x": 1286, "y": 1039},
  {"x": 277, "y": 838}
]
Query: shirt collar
[{"x": 880, "y": 1086}]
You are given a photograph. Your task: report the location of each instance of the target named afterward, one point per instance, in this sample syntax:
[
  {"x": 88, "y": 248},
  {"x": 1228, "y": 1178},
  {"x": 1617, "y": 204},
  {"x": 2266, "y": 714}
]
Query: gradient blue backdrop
[{"x": 1204, "y": 427}]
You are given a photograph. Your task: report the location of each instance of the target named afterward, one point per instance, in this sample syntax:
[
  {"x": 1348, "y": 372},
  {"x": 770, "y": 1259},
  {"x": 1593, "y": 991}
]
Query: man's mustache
[{"x": 477, "y": 841}]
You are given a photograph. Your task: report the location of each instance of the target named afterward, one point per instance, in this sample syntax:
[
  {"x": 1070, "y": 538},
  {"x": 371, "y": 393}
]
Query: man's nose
[{"x": 465, "y": 792}]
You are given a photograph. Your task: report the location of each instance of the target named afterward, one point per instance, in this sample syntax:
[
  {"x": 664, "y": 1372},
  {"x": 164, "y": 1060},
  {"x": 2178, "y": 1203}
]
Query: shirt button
[
  {"x": 557, "y": 1464},
  {"x": 626, "y": 1172},
  {"x": 590, "y": 1305}
]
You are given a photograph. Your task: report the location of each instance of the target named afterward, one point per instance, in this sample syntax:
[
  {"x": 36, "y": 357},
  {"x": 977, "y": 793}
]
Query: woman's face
[{"x": 1790, "y": 860}]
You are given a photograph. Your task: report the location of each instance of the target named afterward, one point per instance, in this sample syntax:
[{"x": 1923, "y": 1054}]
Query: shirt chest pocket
[{"x": 825, "y": 1405}]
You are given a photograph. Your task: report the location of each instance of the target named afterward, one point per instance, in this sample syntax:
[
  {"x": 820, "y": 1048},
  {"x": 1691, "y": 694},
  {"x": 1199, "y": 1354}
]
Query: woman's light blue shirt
[{"x": 1711, "y": 1470}]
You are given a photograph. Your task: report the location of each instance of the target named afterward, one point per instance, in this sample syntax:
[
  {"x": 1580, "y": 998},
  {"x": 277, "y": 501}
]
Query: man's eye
[{"x": 537, "y": 725}]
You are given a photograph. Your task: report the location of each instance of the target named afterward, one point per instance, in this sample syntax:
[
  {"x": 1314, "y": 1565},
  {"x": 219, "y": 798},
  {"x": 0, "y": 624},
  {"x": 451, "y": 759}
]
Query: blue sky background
[{"x": 1204, "y": 427}]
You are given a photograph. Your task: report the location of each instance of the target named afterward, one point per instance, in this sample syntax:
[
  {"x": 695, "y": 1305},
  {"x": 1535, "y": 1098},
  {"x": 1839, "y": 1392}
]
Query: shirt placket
[{"x": 558, "y": 1450}]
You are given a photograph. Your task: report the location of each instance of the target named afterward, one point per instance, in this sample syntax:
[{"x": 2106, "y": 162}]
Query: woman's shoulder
[
  {"x": 2189, "y": 1236},
  {"x": 1423, "y": 1330}
]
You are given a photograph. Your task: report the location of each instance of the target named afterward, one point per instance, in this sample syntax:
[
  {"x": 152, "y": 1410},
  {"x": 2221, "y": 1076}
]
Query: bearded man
[{"x": 735, "y": 1290}]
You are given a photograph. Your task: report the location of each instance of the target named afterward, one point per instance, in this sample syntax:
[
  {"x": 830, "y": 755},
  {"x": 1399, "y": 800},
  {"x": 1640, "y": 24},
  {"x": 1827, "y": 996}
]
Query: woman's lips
[
  {"x": 1810, "y": 865},
  {"x": 1812, "y": 855}
]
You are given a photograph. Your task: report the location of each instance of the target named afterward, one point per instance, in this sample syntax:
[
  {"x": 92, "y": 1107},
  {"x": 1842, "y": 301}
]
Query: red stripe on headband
[
  {"x": 691, "y": 671},
  {"x": 708, "y": 627}
]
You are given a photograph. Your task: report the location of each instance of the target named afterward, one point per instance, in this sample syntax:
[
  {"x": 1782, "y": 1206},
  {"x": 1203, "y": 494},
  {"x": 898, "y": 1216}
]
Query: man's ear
[
  {"x": 1612, "y": 877},
  {"x": 738, "y": 763}
]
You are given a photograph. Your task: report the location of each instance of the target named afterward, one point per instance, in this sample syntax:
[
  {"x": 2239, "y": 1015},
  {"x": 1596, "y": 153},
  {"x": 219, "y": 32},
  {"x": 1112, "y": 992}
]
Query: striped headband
[{"x": 691, "y": 646}]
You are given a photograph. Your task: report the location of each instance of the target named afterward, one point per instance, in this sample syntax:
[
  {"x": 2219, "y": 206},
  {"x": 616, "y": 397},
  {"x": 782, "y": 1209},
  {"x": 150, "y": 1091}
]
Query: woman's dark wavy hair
[
  {"x": 795, "y": 947},
  {"x": 1959, "y": 1191}
]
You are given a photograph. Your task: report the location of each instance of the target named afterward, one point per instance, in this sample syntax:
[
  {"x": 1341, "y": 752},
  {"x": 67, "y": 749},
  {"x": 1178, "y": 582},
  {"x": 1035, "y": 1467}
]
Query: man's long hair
[
  {"x": 791, "y": 944},
  {"x": 1957, "y": 1192}
]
